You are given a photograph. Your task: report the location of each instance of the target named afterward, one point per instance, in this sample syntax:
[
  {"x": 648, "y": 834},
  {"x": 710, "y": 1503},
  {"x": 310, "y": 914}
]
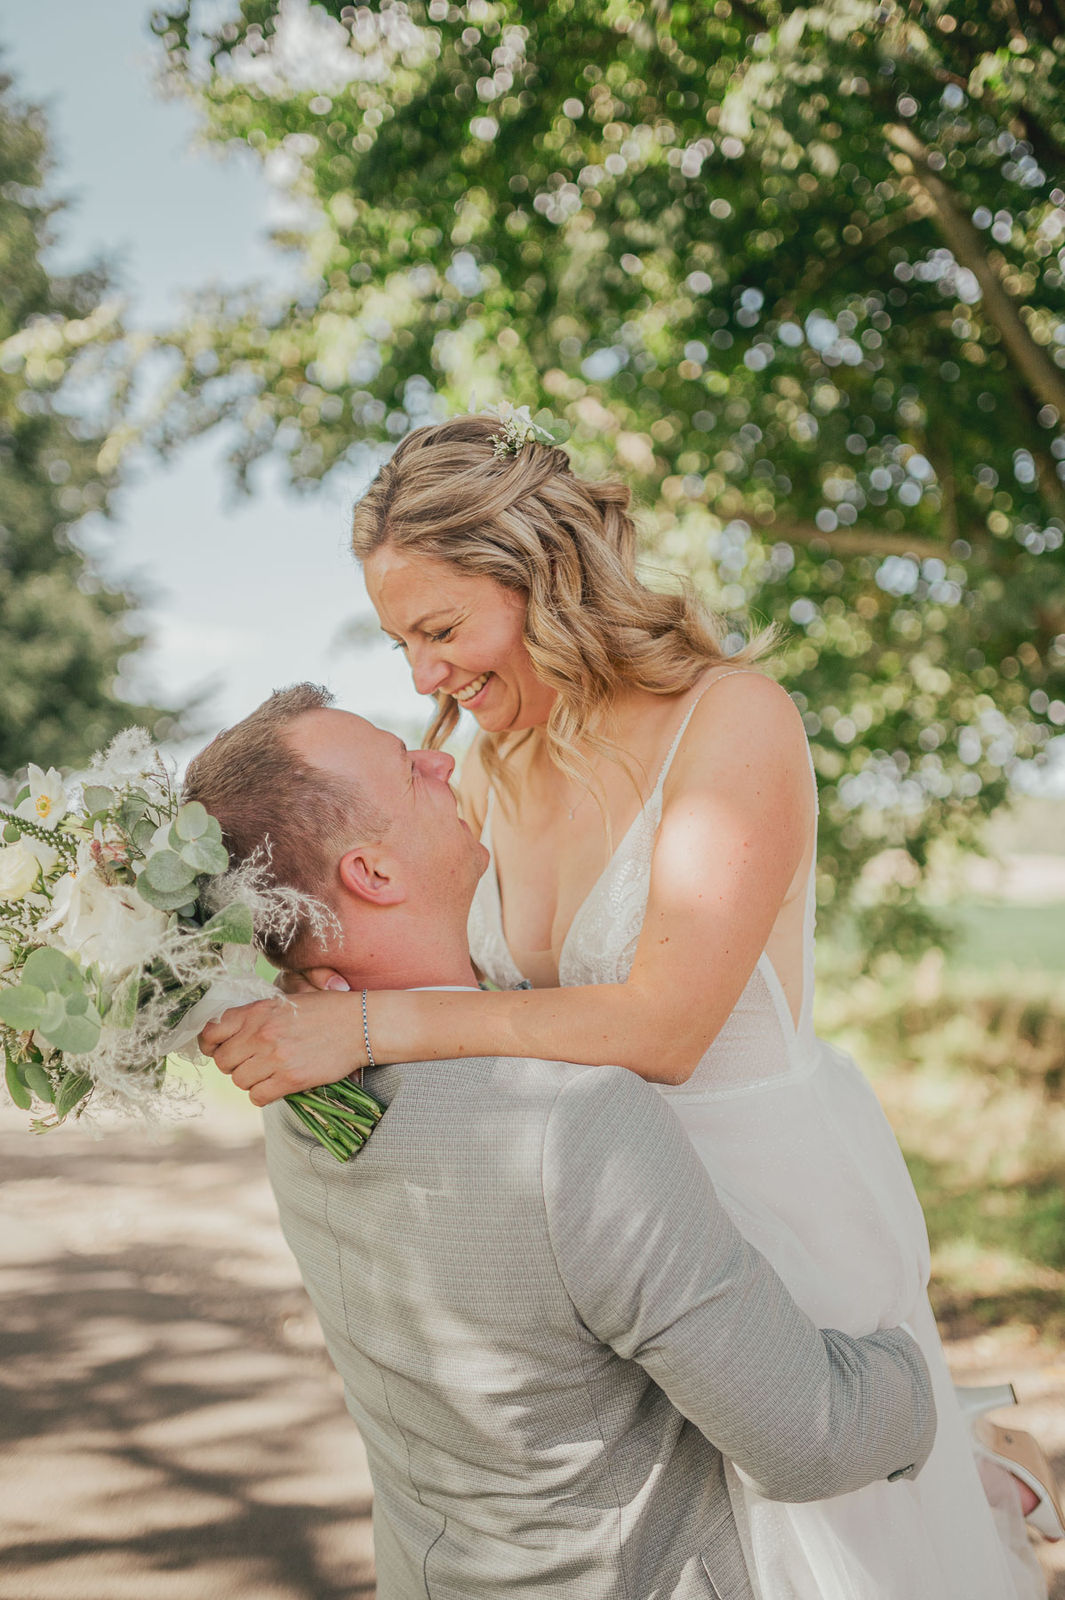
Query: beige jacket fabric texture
[{"x": 549, "y": 1332}]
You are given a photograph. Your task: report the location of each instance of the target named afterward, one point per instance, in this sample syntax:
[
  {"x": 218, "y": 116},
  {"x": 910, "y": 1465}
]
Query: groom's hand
[{"x": 277, "y": 1047}]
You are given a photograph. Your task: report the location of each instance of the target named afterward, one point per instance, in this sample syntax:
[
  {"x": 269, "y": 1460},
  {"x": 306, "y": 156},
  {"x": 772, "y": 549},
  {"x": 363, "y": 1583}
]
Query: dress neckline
[{"x": 486, "y": 840}]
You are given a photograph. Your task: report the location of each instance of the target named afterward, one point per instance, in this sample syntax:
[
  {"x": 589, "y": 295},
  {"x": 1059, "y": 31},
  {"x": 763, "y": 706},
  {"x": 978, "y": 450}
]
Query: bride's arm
[{"x": 737, "y": 814}]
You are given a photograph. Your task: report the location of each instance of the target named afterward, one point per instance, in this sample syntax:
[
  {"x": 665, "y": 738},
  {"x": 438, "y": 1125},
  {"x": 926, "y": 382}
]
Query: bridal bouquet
[{"x": 123, "y": 930}]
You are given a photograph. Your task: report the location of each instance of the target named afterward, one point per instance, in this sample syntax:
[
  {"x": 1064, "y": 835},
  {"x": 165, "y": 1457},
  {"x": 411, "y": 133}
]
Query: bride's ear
[{"x": 370, "y": 877}]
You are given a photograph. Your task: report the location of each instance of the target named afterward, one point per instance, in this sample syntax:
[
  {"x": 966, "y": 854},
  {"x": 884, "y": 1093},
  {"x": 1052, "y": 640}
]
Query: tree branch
[
  {"x": 1041, "y": 377},
  {"x": 855, "y": 542}
]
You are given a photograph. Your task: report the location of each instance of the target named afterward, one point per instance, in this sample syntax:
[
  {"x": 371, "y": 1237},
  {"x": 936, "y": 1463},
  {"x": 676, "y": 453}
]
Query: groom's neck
[{"x": 433, "y": 959}]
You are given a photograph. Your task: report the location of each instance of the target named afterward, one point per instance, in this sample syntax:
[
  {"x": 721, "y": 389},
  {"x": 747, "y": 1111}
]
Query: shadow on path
[{"x": 171, "y": 1428}]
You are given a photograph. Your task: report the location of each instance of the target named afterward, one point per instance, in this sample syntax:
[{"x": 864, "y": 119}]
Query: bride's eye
[
  {"x": 398, "y": 644},
  {"x": 443, "y": 636}
]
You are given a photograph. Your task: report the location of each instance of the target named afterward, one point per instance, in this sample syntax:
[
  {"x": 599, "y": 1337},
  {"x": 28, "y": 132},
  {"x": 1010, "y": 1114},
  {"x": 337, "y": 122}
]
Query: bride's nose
[{"x": 426, "y": 668}]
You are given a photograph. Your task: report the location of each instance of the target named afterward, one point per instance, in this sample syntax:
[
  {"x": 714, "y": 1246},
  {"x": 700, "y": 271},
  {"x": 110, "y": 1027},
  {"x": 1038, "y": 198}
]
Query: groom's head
[{"x": 348, "y": 813}]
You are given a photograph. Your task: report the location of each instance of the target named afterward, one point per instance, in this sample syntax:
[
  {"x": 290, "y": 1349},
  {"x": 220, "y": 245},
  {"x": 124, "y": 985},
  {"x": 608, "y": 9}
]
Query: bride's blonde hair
[{"x": 569, "y": 546}]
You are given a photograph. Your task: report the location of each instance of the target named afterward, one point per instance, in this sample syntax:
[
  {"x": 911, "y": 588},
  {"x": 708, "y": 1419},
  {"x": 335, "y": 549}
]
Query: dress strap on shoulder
[{"x": 733, "y": 672}]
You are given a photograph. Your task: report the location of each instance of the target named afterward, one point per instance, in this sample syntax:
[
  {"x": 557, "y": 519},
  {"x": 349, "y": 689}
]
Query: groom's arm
[{"x": 657, "y": 1270}]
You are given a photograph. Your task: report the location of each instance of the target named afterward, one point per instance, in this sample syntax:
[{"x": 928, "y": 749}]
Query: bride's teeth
[{"x": 471, "y": 689}]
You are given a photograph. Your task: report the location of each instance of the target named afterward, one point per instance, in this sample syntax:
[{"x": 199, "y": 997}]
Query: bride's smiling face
[{"x": 463, "y": 636}]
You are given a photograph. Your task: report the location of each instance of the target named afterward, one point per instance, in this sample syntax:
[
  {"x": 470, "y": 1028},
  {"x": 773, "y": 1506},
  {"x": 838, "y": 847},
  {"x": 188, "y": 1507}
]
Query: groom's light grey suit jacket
[{"x": 549, "y": 1330}]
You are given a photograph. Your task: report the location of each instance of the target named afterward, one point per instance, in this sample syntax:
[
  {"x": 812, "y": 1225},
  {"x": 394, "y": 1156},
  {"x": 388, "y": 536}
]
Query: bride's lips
[{"x": 470, "y": 702}]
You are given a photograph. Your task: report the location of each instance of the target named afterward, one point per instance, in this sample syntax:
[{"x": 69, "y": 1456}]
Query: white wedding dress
[{"x": 806, "y": 1163}]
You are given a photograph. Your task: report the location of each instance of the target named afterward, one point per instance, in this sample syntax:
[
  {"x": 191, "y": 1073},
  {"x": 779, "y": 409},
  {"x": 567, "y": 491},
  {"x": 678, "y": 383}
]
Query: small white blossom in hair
[{"x": 517, "y": 429}]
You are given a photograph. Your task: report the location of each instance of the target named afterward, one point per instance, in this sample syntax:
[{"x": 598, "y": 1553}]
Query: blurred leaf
[
  {"x": 73, "y": 1089},
  {"x": 16, "y": 1088},
  {"x": 39, "y": 1081},
  {"x": 98, "y": 798},
  {"x": 21, "y": 1006},
  {"x": 50, "y": 969},
  {"x": 206, "y": 855},
  {"x": 191, "y": 821},
  {"x": 167, "y": 872},
  {"x": 232, "y": 925}
]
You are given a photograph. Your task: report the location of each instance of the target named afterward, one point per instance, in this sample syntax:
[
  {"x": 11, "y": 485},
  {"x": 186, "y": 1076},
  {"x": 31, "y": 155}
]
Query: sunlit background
[{"x": 799, "y": 277}]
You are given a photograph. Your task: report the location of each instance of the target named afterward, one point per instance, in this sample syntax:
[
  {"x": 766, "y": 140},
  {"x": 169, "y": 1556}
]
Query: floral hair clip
[{"x": 517, "y": 429}]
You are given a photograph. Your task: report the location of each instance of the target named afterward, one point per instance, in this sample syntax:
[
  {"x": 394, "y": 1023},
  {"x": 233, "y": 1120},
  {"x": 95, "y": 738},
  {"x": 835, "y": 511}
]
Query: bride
[{"x": 650, "y": 809}]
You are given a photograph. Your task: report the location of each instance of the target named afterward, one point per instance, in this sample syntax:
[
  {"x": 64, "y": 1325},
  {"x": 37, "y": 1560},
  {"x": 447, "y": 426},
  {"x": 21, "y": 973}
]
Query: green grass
[
  {"x": 968, "y": 1058},
  {"x": 990, "y": 937}
]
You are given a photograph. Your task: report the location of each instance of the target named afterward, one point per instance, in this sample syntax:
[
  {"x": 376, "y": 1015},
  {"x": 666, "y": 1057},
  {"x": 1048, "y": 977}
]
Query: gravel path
[{"x": 171, "y": 1427}]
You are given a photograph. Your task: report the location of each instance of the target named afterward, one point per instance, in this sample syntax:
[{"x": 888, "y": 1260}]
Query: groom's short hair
[{"x": 267, "y": 798}]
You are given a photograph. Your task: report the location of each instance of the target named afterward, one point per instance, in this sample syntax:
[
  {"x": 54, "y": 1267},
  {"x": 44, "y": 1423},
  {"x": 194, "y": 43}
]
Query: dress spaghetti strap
[{"x": 733, "y": 672}]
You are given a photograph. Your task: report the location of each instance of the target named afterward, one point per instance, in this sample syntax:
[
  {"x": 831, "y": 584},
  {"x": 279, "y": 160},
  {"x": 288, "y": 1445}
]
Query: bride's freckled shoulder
[{"x": 742, "y": 719}]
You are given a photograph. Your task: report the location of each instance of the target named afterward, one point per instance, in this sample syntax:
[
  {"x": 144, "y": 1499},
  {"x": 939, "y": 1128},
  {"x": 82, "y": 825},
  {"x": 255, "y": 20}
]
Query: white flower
[
  {"x": 46, "y": 854},
  {"x": 108, "y": 924},
  {"x": 47, "y": 801},
  {"x": 7, "y": 958},
  {"x": 18, "y": 870}
]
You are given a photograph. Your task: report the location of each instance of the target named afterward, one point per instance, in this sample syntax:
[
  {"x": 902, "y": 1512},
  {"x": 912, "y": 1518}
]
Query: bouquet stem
[{"x": 341, "y": 1116}]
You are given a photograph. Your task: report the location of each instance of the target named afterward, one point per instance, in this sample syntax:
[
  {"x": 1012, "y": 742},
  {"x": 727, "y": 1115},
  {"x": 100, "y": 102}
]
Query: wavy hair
[{"x": 569, "y": 546}]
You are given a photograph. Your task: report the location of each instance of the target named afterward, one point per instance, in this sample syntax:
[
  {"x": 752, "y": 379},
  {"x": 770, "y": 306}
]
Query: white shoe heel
[
  {"x": 1016, "y": 1452},
  {"x": 1019, "y": 1453},
  {"x": 975, "y": 1400}
]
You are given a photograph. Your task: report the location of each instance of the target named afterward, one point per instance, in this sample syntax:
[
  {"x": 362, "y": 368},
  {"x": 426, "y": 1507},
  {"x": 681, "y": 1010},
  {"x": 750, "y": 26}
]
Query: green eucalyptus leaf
[
  {"x": 143, "y": 833},
  {"x": 12, "y": 833},
  {"x": 130, "y": 813},
  {"x": 39, "y": 1081},
  {"x": 205, "y": 855},
  {"x": 23, "y": 794},
  {"x": 51, "y": 969},
  {"x": 53, "y": 1015},
  {"x": 21, "y": 1007},
  {"x": 97, "y": 797},
  {"x": 232, "y": 925},
  {"x": 166, "y": 899},
  {"x": 73, "y": 1089},
  {"x": 192, "y": 821},
  {"x": 16, "y": 1088},
  {"x": 78, "y": 1035},
  {"x": 168, "y": 872}
]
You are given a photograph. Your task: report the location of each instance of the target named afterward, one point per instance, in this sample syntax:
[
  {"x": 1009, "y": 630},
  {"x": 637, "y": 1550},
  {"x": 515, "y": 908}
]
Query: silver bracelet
[{"x": 366, "y": 1036}]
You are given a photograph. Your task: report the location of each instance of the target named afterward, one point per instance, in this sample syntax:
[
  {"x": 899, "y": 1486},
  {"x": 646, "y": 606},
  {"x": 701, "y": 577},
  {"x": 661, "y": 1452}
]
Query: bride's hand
[
  {"x": 277, "y": 1047},
  {"x": 309, "y": 980}
]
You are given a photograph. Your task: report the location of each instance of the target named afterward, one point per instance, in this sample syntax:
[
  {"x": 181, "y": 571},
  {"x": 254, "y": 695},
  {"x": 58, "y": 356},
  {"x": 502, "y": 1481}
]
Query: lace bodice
[{"x": 758, "y": 1043}]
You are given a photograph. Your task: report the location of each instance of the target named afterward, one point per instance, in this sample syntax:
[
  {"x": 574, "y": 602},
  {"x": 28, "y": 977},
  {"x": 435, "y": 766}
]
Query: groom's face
[{"x": 436, "y": 853}]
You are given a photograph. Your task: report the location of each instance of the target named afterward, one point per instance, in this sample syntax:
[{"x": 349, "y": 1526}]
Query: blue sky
[{"x": 174, "y": 216}]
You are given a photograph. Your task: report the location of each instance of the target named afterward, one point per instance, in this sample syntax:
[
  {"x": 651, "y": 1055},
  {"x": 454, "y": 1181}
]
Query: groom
[{"x": 549, "y": 1331}]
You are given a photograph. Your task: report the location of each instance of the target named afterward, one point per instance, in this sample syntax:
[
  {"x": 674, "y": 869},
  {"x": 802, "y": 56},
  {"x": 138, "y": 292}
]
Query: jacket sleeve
[{"x": 657, "y": 1270}]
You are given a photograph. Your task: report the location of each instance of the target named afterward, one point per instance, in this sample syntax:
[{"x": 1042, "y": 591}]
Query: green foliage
[
  {"x": 232, "y": 925},
  {"x": 52, "y": 999},
  {"x": 63, "y": 633},
  {"x": 797, "y": 273},
  {"x": 969, "y": 1064},
  {"x": 194, "y": 848}
]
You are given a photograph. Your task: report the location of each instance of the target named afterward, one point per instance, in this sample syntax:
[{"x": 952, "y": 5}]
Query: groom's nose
[{"x": 436, "y": 764}]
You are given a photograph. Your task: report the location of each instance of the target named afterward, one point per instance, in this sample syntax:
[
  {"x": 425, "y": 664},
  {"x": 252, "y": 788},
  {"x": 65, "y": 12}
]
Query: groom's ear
[{"x": 371, "y": 877}]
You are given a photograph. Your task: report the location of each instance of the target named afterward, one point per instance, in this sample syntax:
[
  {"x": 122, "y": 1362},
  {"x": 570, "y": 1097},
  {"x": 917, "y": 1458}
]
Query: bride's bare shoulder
[{"x": 743, "y": 716}]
